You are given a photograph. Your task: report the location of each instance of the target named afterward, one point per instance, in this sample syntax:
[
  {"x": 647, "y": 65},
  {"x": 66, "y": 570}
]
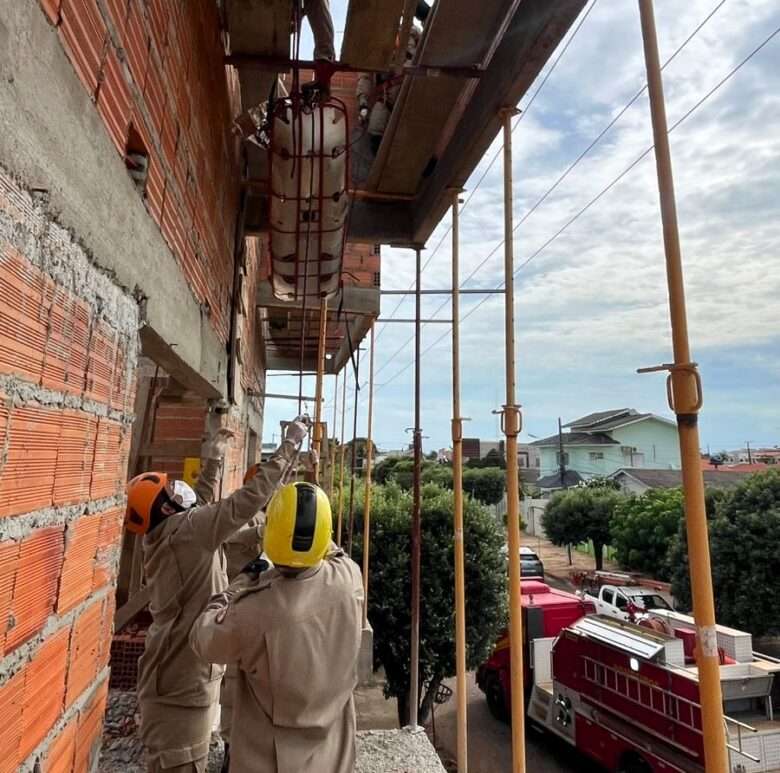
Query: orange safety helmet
[
  {"x": 143, "y": 493},
  {"x": 251, "y": 472}
]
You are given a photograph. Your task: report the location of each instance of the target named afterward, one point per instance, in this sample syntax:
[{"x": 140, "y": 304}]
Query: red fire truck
[{"x": 627, "y": 695}]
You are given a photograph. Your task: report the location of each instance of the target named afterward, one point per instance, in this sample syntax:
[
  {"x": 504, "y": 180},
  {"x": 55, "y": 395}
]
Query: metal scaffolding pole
[
  {"x": 414, "y": 669},
  {"x": 340, "y": 523},
  {"x": 511, "y": 421},
  {"x": 367, "y": 504},
  {"x": 685, "y": 399},
  {"x": 332, "y": 451},
  {"x": 457, "y": 485},
  {"x": 317, "y": 433},
  {"x": 352, "y": 456}
]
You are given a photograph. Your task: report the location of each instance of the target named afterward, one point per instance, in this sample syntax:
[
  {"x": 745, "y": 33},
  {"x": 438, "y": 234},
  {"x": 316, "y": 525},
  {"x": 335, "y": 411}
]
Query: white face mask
[{"x": 182, "y": 494}]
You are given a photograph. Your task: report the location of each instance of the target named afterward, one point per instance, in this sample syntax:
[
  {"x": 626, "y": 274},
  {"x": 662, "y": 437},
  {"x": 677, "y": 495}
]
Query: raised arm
[{"x": 213, "y": 524}]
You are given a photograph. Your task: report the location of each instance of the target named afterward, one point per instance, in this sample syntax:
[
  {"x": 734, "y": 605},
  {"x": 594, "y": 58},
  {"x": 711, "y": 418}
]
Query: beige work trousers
[{"x": 198, "y": 766}]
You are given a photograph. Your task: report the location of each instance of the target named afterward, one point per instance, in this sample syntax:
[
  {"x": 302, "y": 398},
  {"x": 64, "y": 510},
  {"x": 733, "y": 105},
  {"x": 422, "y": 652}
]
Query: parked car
[
  {"x": 530, "y": 563},
  {"x": 624, "y": 603}
]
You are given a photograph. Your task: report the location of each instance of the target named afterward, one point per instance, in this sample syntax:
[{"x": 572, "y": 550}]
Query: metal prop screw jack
[
  {"x": 457, "y": 485},
  {"x": 414, "y": 686},
  {"x": 511, "y": 424},
  {"x": 367, "y": 505},
  {"x": 685, "y": 399}
]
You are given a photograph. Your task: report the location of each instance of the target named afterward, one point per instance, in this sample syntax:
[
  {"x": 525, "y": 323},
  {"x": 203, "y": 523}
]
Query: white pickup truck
[{"x": 625, "y": 602}]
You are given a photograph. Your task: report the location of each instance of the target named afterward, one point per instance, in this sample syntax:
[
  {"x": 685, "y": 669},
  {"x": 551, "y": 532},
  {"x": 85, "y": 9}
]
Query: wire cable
[
  {"x": 495, "y": 157},
  {"x": 598, "y": 196}
]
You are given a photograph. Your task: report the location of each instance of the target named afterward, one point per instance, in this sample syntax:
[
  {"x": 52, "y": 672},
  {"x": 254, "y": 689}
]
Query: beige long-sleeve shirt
[
  {"x": 296, "y": 642},
  {"x": 184, "y": 565}
]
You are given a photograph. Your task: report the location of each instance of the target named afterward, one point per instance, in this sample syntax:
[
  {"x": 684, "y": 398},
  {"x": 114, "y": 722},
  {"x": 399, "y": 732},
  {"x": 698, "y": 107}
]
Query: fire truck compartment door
[{"x": 541, "y": 658}]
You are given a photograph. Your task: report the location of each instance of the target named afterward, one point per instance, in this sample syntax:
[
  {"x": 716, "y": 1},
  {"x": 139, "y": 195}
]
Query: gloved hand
[
  {"x": 363, "y": 116},
  {"x": 297, "y": 430},
  {"x": 215, "y": 446}
]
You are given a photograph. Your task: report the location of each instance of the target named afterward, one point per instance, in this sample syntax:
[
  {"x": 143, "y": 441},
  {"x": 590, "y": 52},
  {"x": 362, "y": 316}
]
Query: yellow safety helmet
[{"x": 298, "y": 526}]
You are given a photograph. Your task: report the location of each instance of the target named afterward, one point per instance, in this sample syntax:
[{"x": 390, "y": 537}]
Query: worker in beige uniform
[
  {"x": 294, "y": 632},
  {"x": 382, "y": 89},
  {"x": 242, "y": 548},
  {"x": 184, "y": 565}
]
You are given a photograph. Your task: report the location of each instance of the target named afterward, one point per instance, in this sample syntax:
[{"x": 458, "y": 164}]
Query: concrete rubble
[{"x": 378, "y": 751}]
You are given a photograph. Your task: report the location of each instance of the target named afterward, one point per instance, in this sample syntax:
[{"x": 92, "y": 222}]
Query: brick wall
[
  {"x": 68, "y": 355},
  {"x": 154, "y": 70}
]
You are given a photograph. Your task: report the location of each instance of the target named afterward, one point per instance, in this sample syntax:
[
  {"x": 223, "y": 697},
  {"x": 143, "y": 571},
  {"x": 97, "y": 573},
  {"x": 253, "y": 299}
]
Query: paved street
[{"x": 490, "y": 742}]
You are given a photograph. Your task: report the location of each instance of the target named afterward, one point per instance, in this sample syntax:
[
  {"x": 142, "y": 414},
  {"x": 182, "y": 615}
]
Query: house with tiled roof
[{"x": 601, "y": 443}]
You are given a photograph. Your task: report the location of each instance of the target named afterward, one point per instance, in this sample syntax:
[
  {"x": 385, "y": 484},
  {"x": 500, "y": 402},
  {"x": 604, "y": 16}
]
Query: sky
[{"x": 591, "y": 305}]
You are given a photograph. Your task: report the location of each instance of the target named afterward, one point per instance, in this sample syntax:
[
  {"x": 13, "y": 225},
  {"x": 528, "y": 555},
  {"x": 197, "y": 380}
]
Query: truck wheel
[
  {"x": 634, "y": 763},
  {"x": 494, "y": 693}
]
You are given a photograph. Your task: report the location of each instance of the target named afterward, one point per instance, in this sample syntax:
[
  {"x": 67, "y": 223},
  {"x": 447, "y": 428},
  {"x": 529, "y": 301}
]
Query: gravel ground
[{"x": 396, "y": 751}]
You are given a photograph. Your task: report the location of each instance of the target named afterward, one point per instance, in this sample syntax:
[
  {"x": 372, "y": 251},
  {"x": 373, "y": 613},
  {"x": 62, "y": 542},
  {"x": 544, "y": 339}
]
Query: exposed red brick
[
  {"x": 9, "y": 561},
  {"x": 109, "y": 538},
  {"x": 81, "y": 539},
  {"x": 52, "y": 10},
  {"x": 75, "y": 455},
  {"x": 84, "y": 36},
  {"x": 44, "y": 691},
  {"x": 65, "y": 350},
  {"x": 89, "y": 730},
  {"x": 156, "y": 188},
  {"x": 27, "y": 482},
  {"x": 154, "y": 95},
  {"x": 159, "y": 18},
  {"x": 114, "y": 103},
  {"x": 22, "y": 318},
  {"x": 11, "y": 702},
  {"x": 108, "y": 470},
  {"x": 85, "y": 650},
  {"x": 136, "y": 43},
  {"x": 117, "y": 12},
  {"x": 35, "y": 590},
  {"x": 59, "y": 758},
  {"x": 101, "y": 362}
]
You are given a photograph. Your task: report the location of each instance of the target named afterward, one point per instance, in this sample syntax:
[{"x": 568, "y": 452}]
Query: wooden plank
[
  {"x": 128, "y": 611},
  {"x": 357, "y": 300},
  {"x": 259, "y": 26},
  {"x": 370, "y": 33}
]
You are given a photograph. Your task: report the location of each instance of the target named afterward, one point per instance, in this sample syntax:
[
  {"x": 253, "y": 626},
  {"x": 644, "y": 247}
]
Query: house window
[
  {"x": 596, "y": 456},
  {"x": 565, "y": 458}
]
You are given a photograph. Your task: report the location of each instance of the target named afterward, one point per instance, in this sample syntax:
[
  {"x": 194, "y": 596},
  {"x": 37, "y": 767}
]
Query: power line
[
  {"x": 495, "y": 156},
  {"x": 566, "y": 172},
  {"x": 598, "y": 196}
]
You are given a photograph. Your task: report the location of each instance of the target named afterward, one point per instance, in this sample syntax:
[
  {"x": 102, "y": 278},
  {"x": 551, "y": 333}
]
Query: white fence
[{"x": 531, "y": 511}]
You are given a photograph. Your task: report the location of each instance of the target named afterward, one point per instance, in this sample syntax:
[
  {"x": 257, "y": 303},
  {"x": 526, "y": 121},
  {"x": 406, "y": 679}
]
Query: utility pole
[
  {"x": 685, "y": 397},
  {"x": 561, "y": 457},
  {"x": 750, "y": 455}
]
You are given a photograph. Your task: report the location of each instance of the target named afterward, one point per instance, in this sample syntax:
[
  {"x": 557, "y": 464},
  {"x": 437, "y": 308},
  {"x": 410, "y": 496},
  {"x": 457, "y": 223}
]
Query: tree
[
  {"x": 432, "y": 456},
  {"x": 744, "y": 527},
  {"x": 390, "y": 590},
  {"x": 580, "y": 515},
  {"x": 487, "y": 485},
  {"x": 644, "y": 528}
]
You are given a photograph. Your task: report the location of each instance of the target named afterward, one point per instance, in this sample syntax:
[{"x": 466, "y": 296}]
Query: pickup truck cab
[{"x": 625, "y": 602}]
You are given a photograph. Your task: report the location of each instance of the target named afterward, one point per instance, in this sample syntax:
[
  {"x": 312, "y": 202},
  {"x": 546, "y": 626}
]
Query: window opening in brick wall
[{"x": 137, "y": 158}]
